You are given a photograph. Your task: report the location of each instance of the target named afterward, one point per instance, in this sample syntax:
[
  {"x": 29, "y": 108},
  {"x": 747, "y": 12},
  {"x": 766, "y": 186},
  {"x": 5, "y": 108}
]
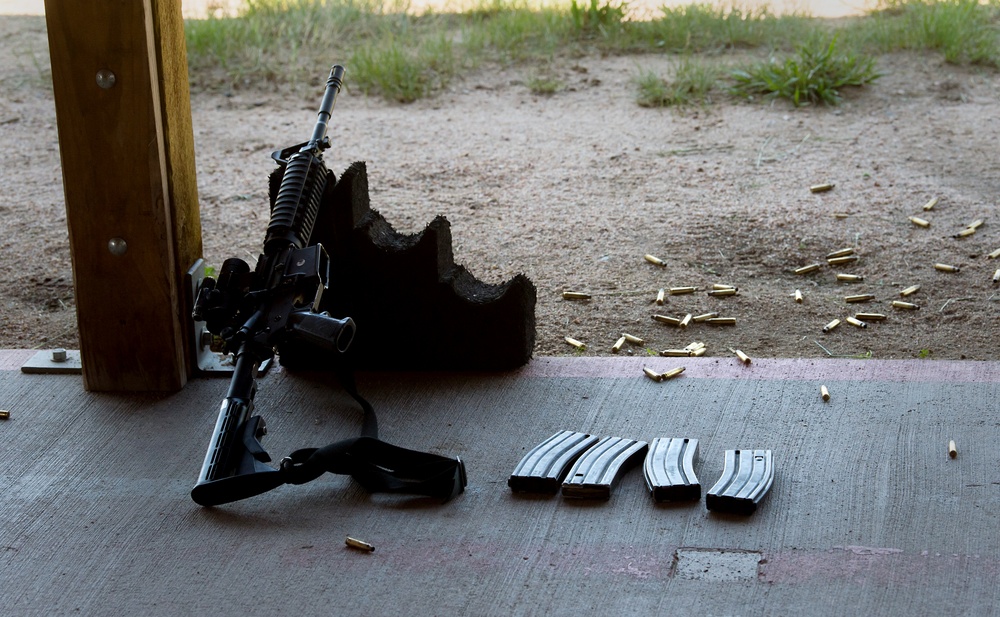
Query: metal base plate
[{"x": 42, "y": 364}]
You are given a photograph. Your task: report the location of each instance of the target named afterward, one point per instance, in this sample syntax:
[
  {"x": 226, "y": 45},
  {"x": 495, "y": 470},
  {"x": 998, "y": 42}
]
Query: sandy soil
[{"x": 575, "y": 188}]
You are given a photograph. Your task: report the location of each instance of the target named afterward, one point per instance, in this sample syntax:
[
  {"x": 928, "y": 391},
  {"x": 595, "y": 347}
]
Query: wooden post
[{"x": 119, "y": 72}]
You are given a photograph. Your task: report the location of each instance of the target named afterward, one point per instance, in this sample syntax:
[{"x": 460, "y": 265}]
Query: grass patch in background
[
  {"x": 403, "y": 56},
  {"x": 693, "y": 82},
  {"x": 815, "y": 74}
]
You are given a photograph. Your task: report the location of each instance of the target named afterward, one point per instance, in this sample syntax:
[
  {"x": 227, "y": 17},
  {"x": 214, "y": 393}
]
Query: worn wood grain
[{"x": 128, "y": 173}]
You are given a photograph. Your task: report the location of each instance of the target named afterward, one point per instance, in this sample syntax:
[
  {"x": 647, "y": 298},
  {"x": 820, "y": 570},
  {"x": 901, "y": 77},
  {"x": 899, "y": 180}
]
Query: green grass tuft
[
  {"x": 693, "y": 83},
  {"x": 815, "y": 74}
]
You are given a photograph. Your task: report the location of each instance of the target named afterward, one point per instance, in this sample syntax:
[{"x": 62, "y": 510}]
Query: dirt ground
[{"x": 575, "y": 188}]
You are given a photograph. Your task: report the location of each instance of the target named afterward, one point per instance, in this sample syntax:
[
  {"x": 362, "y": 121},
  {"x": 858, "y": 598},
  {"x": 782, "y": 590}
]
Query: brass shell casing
[
  {"x": 869, "y": 316},
  {"x": 618, "y": 345},
  {"x": 909, "y": 306},
  {"x": 723, "y": 292},
  {"x": 721, "y": 321},
  {"x": 635, "y": 340},
  {"x": 676, "y": 291},
  {"x": 676, "y": 353},
  {"x": 575, "y": 295},
  {"x": 674, "y": 372},
  {"x": 912, "y": 289},
  {"x": 859, "y": 298},
  {"x": 656, "y": 261},
  {"x": 824, "y": 393},
  {"x": 808, "y": 269},
  {"x": 856, "y": 322},
  {"x": 947, "y": 268},
  {"x": 821, "y": 188},
  {"x": 846, "y": 259},
  {"x": 575, "y": 343},
  {"x": 919, "y": 222},
  {"x": 361, "y": 545},
  {"x": 830, "y": 326},
  {"x": 673, "y": 321},
  {"x": 704, "y": 317},
  {"x": 844, "y": 252}
]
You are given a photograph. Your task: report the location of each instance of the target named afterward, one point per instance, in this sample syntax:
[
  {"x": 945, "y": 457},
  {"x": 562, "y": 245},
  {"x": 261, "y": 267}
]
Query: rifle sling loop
[{"x": 378, "y": 466}]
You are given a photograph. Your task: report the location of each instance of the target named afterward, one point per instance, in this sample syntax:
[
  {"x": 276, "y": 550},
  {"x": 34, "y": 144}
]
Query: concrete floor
[{"x": 867, "y": 516}]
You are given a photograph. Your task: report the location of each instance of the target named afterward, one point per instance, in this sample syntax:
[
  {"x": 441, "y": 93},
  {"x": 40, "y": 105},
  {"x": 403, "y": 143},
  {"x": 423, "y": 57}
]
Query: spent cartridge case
[
  {"x": 930, "y": 204},
  {"x": 808, "y": 269},
  {"x": 660, "y": 296},
  {"x": 996, "y": 276},
  {"x": 798, "y": 296},
  {"x": 994, "y": 254},
  {"x": 685, "y": 321},
  {"x": 704, "y": 317},
  {"x": 652, "y": 374},
  {"x": 838, "y": 261},
  {"x": 618, "y": 345},
  {"x": 575, "y": 343},
  {"x": 676, "y": 353},
  {"x": 909, "y": 291},
  {"x": 821, "y": 188},
  {"x": 946, "y": 268},
  {"x": 976, "y": 224},
  {"x": 721, "y": 321},
  {"x": 908, "y": 306},
  {"x": 830, "y": 326},
  {"x": 869, "y": 316},
  {"x": 672, "y": 321},
  {"x": 360, "y": 545},
  {"x": 656, "y": 261},
  {"x": 575, "y": 295},
  {"x": 722, "y": 286},
  {"x": 968, "y": 231},
  {"x": 4, "y": 414},
  {"x": 824, "y": 393},
  {"x": 635, "y": 340},
  {"x": 850, "y": 278},
  {"x": 695, "y": 346},
  {"x": 697, "y": 353},
  {"x": 676, "y": 291},
  {"x": 674, "y": 372},
  {"x": 723, "y": 292},
  {"x": 745, "y": 359},
  {"x": 859, "y": 298},
  {"x": 952, "y": 449},
  {"x": 844, "y": 252},
  {"x": 919, "y": 222},
  {"x": 856, "y": 322}
]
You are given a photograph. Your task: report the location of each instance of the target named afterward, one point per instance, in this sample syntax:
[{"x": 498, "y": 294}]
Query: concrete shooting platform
[{"x": 868, "y": 515}]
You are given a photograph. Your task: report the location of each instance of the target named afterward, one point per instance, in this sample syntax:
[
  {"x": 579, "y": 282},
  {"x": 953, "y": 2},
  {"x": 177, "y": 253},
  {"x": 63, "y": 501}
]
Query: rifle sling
[{"x": 378, "y": 466}]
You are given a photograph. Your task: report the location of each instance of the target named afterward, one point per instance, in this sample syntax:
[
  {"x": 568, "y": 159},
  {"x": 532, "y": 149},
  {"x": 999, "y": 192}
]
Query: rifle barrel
[{"x": 333, "y": 84}]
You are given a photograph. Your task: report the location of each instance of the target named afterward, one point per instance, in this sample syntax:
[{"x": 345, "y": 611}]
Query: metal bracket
[{"x": 209, "y": 362}]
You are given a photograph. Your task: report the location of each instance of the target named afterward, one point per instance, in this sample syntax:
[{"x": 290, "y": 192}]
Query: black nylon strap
[{"x": 378, "y": 466}]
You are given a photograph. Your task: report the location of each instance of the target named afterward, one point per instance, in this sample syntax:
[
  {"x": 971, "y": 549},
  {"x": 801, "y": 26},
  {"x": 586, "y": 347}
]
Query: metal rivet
[
  {"x": 117, "y": 246},
  {"x": 105, "y": 79}
]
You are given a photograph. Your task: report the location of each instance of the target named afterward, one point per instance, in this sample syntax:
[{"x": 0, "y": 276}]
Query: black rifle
[{"x": 254, "y": 312}]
